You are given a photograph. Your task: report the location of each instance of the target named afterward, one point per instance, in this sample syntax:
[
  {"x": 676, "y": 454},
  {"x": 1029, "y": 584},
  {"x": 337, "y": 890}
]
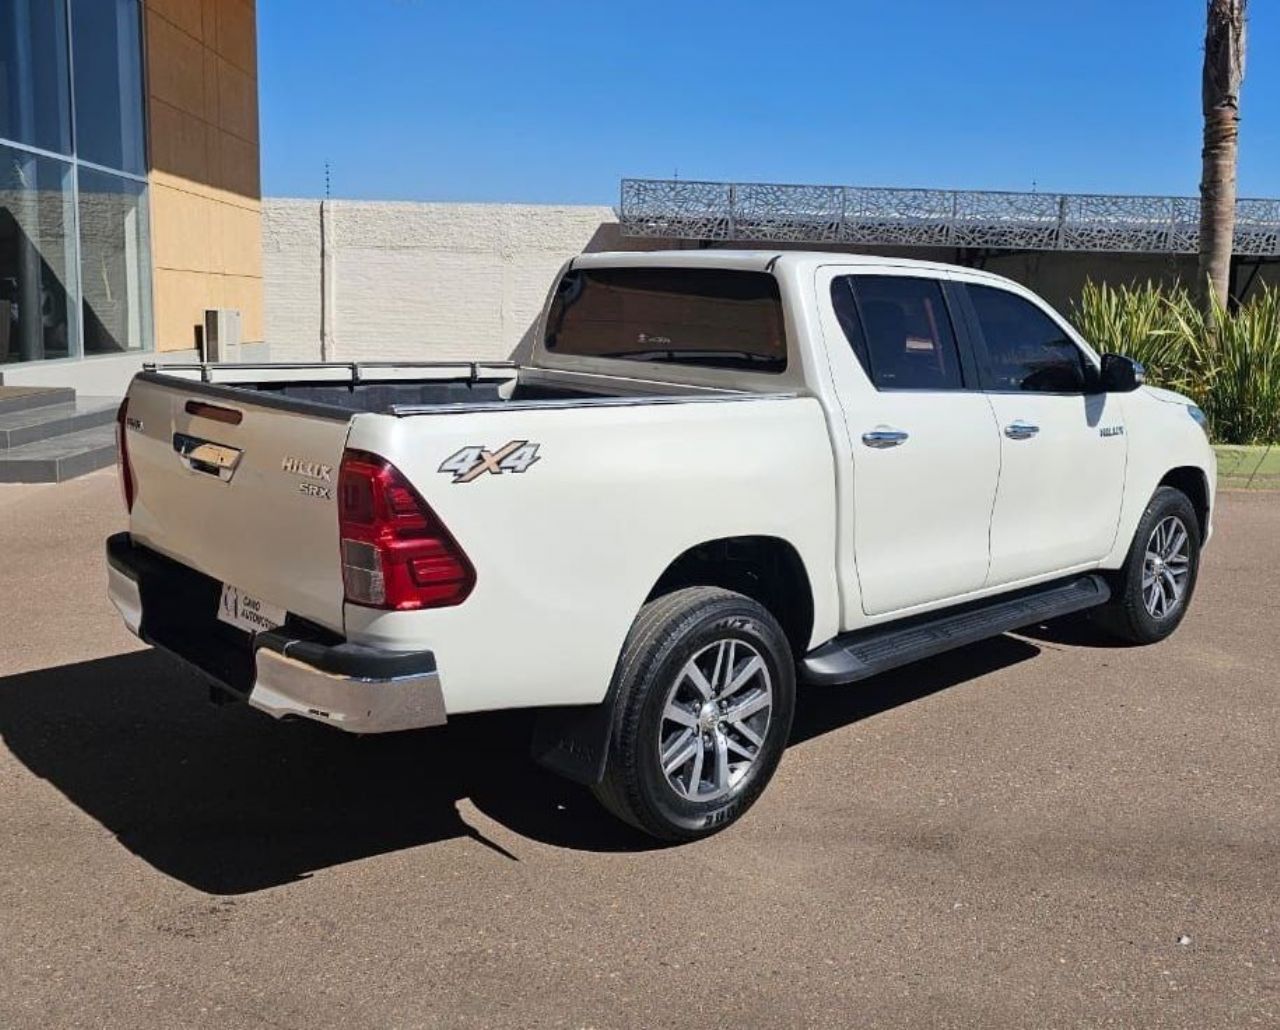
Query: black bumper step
[{"x": 869, "y": 652}]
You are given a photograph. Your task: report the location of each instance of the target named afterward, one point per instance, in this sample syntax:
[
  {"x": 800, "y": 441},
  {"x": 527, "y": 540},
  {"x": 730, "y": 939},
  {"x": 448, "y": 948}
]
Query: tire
[
  {"x": 664, "y": 710},
  {"x": 1134, "y": 614}
]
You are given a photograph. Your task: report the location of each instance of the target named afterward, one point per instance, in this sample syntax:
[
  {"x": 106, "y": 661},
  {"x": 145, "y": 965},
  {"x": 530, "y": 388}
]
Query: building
[{"x": 129, "y": 184}]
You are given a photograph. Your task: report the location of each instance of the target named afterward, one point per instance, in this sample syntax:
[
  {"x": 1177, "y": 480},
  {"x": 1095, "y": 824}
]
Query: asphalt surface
[{"x": 1033, "y": 832}]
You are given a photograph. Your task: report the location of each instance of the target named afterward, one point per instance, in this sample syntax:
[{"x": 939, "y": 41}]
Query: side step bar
[{"x": 869, "y": 652}]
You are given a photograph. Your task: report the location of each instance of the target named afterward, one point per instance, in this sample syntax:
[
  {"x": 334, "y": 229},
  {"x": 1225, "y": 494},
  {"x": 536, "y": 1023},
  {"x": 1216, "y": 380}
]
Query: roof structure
[{"x": 877, "y": 216}]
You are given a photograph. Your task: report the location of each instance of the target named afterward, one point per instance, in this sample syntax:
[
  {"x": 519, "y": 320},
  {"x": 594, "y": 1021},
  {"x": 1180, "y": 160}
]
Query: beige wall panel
[
  {"x": 237, "y": 35},
  {"x": 205, "y": 178},
  {"x": 181, "y": 299},
  {"x": 238, "y": 170},
  {"x": 210, "y": 11},
  {"x": 182, "y": 230},
  {"x": 245, "y": 294},
  {"x": 179, "y": 142},
  {"x": 237, "y": 101},
  {"x": 175, "y": 65},
  {"x": 238, "y": 240},
  {"x": 188, "y": 15},
  {"x": 212, "y": 109}
]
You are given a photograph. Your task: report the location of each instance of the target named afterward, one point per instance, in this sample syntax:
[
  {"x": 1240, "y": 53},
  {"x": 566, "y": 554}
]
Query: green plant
[
  {"x": 1148, "y": 323},
  {"x": 1243, "y": 395},
  {"x": 1230, "y": 366}
]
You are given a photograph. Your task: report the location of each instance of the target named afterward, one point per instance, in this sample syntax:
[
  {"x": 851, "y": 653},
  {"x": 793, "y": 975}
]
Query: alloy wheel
[
  {"x": 1166, "y": 567},
  {"x": 715, "y": 719}
]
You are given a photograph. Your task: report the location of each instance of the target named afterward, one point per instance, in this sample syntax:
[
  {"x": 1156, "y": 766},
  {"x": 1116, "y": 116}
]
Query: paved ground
[{"x": 1016, "y": 835}]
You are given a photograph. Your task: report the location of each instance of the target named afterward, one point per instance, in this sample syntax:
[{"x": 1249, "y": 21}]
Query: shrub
[{"x": 1232, "y": 372}]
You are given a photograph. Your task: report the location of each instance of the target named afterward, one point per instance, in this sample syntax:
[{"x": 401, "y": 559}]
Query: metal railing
[{"x": 778, "y": 213}]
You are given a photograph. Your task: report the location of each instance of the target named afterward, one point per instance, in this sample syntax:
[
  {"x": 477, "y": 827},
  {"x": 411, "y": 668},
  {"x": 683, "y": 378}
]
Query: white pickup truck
[{"x": 713, "y": 474}]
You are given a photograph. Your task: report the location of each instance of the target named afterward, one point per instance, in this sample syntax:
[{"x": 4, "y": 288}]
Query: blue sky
[{"x": 553, "y": 102}]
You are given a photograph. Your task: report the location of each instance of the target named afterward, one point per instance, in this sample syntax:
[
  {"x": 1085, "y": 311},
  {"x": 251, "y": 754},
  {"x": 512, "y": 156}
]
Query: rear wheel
[
  {"x": 1155, "y": 585},
  {"x": 704, "y": 698}
]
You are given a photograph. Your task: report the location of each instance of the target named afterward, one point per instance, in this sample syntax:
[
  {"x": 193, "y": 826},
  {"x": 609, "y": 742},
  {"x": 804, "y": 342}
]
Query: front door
[
  {"x": 1063, "y": 448},
  {"x": 925, "y": 450}
]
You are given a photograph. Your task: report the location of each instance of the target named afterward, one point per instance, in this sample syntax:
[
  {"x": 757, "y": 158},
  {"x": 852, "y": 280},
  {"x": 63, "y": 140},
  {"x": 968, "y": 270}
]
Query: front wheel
[
  {"x": 1154, "y": 587},
  {"x": 705, "y": 691}
]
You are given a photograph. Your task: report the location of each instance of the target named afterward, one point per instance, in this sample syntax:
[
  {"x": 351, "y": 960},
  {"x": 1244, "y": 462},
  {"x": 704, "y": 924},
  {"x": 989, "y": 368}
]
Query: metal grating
[{"x": 776, "y": 213}]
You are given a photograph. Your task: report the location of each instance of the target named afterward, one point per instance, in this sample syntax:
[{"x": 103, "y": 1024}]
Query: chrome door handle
[
  {"x": 1020, "y": 430},
  {"x": 882, "y": 438}
]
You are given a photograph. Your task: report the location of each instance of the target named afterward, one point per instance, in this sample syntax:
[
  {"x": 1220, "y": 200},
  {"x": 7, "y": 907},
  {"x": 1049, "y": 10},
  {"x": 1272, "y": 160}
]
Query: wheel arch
[
  {"x": 574, "y": 740},
  {"x": 1192, "y": 481},
  {"x": 768, "y": 569}
]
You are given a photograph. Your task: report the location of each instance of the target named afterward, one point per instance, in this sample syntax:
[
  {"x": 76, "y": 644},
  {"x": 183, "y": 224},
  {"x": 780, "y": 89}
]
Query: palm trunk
[{"x": 1220, "y": 99}]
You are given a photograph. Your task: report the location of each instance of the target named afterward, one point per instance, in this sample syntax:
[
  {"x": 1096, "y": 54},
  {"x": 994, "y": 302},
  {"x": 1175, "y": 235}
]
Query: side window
[
  {"x": 900, "y": 331},
  {"x": 1027, "y": 349}
]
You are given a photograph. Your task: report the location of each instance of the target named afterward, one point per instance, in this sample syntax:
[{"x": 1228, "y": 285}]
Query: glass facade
[{"x": 75, "y": 266}]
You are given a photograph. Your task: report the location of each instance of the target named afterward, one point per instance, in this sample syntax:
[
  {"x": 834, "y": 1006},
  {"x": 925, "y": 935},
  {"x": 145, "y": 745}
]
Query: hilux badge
[
  {"x": 310, "y": 470},
  {"x": 307, "y": 469}
]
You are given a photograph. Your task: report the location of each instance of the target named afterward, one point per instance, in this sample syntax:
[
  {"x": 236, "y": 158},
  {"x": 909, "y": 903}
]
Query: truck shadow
[{"x": 229, "y": 802}]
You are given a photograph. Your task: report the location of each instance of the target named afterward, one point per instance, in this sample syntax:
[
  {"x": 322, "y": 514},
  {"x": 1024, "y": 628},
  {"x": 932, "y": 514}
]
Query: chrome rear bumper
[{"x": 280, "y": 672}]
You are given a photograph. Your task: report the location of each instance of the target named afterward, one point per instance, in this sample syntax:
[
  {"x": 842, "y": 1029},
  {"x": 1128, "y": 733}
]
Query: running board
[{"x": 869, "y": 652}]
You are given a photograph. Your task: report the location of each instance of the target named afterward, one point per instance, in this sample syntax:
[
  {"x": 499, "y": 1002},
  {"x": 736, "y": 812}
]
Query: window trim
[
  {"x": 861, "y": 351},
  {"x": 982, "y": 353}
]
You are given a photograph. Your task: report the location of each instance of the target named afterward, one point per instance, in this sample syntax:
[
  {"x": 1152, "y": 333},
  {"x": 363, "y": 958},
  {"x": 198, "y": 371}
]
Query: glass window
[
  {"x": 1026, "y": 349},
  {"x": 721, "y": 318},
  {"x": 34, "y": 92},
  {"x": 37, "y": 258},
  {"x": 900, "y": 331},
  {"x": 108, "y": 83},
  {"x": 115, "y": 269}
]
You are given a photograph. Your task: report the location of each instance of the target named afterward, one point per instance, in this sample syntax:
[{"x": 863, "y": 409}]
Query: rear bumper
[{"x": 295, "y": 670}]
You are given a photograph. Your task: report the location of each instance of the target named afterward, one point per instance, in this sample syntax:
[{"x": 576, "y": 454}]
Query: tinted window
[
  {"x": 688, "y": 316},
  {"x": 108, "y": 77},
  {"x": 37, "y": 258},
  {"x": 1026, "y": 349},
  {"x": 35, "y": 106},
  {"x": 900, "y": 331},
  {"x": 113, "y": 252}
]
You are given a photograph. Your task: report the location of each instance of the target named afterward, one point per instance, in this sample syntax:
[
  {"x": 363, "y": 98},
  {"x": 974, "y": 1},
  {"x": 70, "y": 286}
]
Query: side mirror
[{"x": 1121, "y": 374}]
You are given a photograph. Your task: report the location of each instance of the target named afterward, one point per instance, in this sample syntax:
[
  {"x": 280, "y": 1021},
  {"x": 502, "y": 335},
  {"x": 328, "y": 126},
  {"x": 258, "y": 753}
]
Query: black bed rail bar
[{"x": 205, "y": 368}]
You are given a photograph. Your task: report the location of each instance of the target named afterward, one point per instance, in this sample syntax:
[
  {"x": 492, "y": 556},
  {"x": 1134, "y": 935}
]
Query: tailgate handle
[
  {"x": 214, "y": 459},
  {"x": 214, "y": 411}
]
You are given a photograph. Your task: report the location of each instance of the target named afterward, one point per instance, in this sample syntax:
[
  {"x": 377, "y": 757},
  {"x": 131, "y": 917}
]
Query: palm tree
[{"x": 1220, "y": 101}]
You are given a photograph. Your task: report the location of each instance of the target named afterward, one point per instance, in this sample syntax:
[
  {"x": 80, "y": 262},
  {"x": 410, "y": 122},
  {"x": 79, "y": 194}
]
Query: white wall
[{"x": 417, "y": 281}]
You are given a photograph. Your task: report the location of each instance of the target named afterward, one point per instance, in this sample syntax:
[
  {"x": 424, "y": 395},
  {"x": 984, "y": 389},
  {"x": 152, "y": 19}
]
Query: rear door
[
  {"x": 1062, "y": 441},
  {"x": 241, "y": 488},
  {"x": 924, "y": 446}
]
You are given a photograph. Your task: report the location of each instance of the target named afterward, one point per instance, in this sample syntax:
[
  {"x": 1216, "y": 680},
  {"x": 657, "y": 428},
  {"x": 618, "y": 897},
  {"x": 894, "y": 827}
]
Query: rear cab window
[
  {"x": 900, "y": 330},
  {"x": 709, "y": 317}
]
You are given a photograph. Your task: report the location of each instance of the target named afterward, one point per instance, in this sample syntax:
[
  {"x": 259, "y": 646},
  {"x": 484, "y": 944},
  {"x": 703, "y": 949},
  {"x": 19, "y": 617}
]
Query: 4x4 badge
[{"x": 471, "y": 463}]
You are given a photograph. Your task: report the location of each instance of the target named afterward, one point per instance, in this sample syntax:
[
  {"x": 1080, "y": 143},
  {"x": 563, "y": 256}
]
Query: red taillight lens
[
  {"x": 395, "y": 552},
  {"x": 122, "y": 455}
]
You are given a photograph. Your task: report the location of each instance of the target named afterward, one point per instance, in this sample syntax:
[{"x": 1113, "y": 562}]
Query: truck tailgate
[{"x": 240, "y": 488}]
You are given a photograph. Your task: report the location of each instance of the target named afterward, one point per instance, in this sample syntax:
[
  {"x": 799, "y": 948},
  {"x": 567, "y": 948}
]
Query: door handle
[
  {"x": 882, "y": 438},
  {"x": 1020, "y": 430}
]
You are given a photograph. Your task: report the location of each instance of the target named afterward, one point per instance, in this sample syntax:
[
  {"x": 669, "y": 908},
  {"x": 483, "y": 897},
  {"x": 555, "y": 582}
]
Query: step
[
  {"x": 43, "y": 423},
  {"x": 59, "y": 458},
  {"x": 869, "y": 652},
  {"x": 23, "y": 398}
]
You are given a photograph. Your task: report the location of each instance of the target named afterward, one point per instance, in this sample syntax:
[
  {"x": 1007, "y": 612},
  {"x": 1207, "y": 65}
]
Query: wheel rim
[
  {"x": 715, "y": 719},
  {"x": 1166, "y": 567}
]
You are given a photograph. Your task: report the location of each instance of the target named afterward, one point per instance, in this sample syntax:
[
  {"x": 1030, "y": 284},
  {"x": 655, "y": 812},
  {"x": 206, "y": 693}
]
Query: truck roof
[{"x": 761, "y": 260}]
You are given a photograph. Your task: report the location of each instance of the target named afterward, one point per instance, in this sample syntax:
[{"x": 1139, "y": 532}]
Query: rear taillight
[
  {"x": 122, "y": 455},
  {"x": 395, "y": 552}
]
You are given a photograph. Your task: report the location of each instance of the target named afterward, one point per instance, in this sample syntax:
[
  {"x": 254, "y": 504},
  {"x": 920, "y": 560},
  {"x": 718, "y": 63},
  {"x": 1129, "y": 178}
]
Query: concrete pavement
[{"x": 1033, "y": 832}]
